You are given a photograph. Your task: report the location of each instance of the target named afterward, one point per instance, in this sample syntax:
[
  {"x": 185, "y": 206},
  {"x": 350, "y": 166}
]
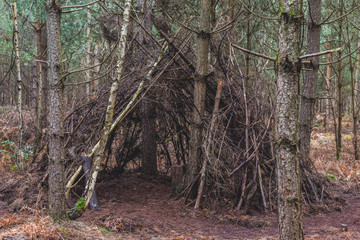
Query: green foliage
[
  {"x": 80, "y": 204},
  {"x": 8, "y": 151},
  {"x": 318, "y": 123},
  {"x": 105, "y": 230},
  {"x": 64, "y": 231},
  {"x": 331, "y": 176}
]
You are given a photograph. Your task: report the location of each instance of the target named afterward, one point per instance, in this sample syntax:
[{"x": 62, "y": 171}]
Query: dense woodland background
[{"x": 221, "y": 97}]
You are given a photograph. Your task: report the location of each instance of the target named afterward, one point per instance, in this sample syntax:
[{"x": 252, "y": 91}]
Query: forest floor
[{"x": 135, "y": 207}]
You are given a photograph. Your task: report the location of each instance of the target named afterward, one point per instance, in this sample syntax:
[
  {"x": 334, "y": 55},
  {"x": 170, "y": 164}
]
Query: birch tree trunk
[
  {"x": 286, "y": 116},
  {"x": 308, "y": 96},
  {"x": 90, "y": 185},
  {"x": 19, "y": 81},
  {"x": 56, "y": 129},
  {"x": 202, "y": 61}
]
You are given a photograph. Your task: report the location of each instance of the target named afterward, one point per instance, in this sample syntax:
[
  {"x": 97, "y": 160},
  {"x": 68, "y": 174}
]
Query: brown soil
[
  {"x": 135, "y": 207},
  {"x": 147, "y": 201}
]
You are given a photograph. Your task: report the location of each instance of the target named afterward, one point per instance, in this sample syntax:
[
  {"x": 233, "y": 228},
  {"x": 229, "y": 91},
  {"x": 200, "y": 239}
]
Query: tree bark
[
  {"x": 39, "y": 87},
  {"x": 149, "y": 161},
  {"x": 327, "y": 100},
  {"x": 88, "y": 73},
  {"x": 286, "y": 116},
  {"x": 202, "y": 61},
  {"x": 19, "y": 82},
  {"x": 308, "y": 96},
  {"x": 339, "y": 88},
  {"x": 354, "y": 111},
  {"x": 56, "y": 129}
]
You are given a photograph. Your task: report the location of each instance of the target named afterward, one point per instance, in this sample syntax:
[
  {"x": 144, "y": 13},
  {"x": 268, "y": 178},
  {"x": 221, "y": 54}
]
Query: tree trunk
[
  {"x": 339, "y": 88},
  {"x": 202, "y": 61},
  {"x": 96, "y": 69},
  {"x": 39, "y": 85},
  {"x": 308, "y": 96},
  {"x": 287, "y": 115},
  {"x": 327, "y": 108},
  {"x": 56, "y": 129},
  {"x": 354, "y": 110},
  {"x": 149, "y": 161},
  {"x": 39, "y": 88},
  {"x": 88, "y": 72},
  {"x": 90, "y": 186},
  {"x": 19, "y": 82},
  {"x": 44, "y": 74}
]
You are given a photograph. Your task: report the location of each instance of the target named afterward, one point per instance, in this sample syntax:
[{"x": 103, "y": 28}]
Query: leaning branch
[
  {"x": 253, "y": 53},
  {"x": 119, "y": 118}
]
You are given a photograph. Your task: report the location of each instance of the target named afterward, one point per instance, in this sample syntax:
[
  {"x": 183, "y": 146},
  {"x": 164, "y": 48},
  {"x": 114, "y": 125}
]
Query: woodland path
[
  {"x": 147, "y": 201},
  {"x": 133, "y": 207}
]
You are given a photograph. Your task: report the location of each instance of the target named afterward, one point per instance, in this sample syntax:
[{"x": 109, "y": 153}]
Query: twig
[
  {"x": 336, "y": 19},
  {"x": 228, "y": 25},
  {"x": 93, "y": 66},
  {"x": 173, "y": 19},
  {"x": 257, "y": 15},
  {"x": 320, "y": 53},
  {"x": 81, "y": 5},
  {"x": 187, "y": 187},
  {"x": 259, "y": 175},
  {"x": 208, "y": 142},
  {"x": 255, "y": 150},
  {"x": 336, "y": 61},
  {"x": 71, "y": 11},
  {"x": 253, "y": 53},
  {"x": 186, "y": 60}
]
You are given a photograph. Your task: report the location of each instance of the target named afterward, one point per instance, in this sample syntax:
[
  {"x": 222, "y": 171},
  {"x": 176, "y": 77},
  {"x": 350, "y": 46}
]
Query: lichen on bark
[{"x": 287, "y": 116}]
